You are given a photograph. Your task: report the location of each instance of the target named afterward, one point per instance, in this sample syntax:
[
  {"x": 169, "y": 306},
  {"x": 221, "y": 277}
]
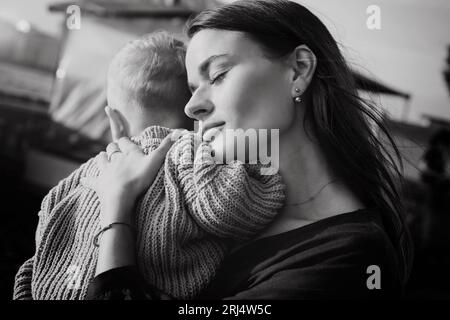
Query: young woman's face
[{"x": 234, "y": 86}]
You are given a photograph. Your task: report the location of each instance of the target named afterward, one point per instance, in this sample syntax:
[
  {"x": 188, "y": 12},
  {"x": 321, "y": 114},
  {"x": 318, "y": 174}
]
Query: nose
[{"x": 199, "y": 106}]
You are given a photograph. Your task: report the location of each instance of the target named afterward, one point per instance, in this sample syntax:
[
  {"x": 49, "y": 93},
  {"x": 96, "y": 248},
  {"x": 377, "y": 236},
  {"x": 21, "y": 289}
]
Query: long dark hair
[{"x": 347, "y": 128}]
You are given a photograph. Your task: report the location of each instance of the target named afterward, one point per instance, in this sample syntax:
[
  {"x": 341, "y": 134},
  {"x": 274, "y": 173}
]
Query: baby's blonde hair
[{"x": 149, "y": 72}]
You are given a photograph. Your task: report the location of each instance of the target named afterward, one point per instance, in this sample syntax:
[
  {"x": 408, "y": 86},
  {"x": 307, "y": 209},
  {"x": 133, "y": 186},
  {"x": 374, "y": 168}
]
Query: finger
[
  {"x": 112, "y": 149},
  {"x": 165, "y": 145},
  {"x": 127, "y": 146},
  {"x": 88, "y": 182},
  {"x": 116, "y": 124},
  {"x": 101, "y": 160},
  {"x": 178, "y": 133}
]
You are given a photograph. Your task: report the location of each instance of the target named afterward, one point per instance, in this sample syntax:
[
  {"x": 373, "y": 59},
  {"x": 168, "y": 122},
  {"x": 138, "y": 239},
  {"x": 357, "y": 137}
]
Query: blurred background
[{"x": 52, "y": 79}]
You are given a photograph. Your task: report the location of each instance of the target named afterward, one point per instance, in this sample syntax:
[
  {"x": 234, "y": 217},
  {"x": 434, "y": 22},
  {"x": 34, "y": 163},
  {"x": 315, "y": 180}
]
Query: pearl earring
[{"x": 298, "y": 98}]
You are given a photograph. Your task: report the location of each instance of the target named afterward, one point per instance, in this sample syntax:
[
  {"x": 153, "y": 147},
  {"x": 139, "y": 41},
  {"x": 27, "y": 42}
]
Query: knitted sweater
[{"x": 184, "y": 222}]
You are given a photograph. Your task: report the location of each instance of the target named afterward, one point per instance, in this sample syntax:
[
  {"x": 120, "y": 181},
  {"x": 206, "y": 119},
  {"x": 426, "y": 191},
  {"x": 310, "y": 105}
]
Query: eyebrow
[{"x": 205, "y": 65}]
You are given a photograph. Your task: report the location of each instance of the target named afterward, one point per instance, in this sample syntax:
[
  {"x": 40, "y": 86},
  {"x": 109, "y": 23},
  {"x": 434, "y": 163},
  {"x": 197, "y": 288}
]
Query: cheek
[
  {"x": 255, "y": 99},
  {"x": 269, "y": 108},
  {"x": 234, "y": 100}
]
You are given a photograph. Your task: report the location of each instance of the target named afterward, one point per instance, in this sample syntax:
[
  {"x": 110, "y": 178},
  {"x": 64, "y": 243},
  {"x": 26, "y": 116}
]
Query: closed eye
[{"x": 219, "y": 78}]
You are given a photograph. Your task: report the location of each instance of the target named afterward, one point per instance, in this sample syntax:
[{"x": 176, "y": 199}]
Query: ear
[
  {"x": 302, "y": 62},
  {"x": 119, "y": 125}
]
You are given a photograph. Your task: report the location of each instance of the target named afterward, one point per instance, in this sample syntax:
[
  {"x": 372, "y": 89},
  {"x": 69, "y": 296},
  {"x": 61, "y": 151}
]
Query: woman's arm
[
  {"x": 125, "y": 172},
  {"x": 116, "y": 245}
]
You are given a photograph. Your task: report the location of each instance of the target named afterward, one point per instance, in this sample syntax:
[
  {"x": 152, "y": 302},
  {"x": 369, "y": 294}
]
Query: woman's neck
[{"x": 313, "y": 191}]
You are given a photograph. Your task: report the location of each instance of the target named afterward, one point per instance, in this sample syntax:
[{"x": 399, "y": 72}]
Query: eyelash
[{"x": 219, "y": 78}]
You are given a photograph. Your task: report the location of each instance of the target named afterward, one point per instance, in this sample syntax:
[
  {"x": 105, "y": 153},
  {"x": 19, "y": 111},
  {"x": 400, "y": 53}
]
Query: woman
[{"x": 273, "y": 64}]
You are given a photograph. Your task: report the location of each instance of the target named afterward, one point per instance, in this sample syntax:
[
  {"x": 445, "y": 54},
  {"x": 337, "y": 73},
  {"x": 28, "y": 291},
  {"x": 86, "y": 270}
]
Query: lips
[
  {"x": 212, "y": 125},
  {"x": 208, "y": 129}
]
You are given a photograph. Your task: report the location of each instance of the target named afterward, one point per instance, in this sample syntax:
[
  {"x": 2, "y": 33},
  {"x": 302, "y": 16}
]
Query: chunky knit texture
[{"x": 183, "y": 222}]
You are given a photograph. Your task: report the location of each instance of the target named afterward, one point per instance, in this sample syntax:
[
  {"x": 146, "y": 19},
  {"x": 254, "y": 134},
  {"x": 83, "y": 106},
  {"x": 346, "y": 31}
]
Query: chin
[{"x": 224, "y": 151}]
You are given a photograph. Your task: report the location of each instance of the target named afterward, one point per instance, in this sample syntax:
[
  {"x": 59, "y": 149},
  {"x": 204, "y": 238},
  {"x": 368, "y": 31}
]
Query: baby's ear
[{"x": 118, "y": 124}]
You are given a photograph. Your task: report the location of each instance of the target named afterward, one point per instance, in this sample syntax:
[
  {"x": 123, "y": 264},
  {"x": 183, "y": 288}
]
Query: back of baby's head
[{"x": 147, "y": 81}]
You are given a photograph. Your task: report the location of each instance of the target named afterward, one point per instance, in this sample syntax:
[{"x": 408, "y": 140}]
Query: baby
[
  {"x": 185, "y": 222},
  {"x": 146, "y": 83}
]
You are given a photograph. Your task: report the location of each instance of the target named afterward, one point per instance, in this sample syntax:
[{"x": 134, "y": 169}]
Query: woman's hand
[{"x": 125, "y": 172}]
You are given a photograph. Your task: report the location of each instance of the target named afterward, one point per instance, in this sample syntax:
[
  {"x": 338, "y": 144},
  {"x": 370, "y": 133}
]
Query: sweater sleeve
[
  {"x": 232, "y": 200},
  {"x": 59, "y": 192},
  {"x": 23, "y": 278},
  {"x": 22, "y": 282}
]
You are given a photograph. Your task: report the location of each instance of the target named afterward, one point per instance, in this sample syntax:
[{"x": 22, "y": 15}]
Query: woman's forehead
[{"x": 207, "y": 43}]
